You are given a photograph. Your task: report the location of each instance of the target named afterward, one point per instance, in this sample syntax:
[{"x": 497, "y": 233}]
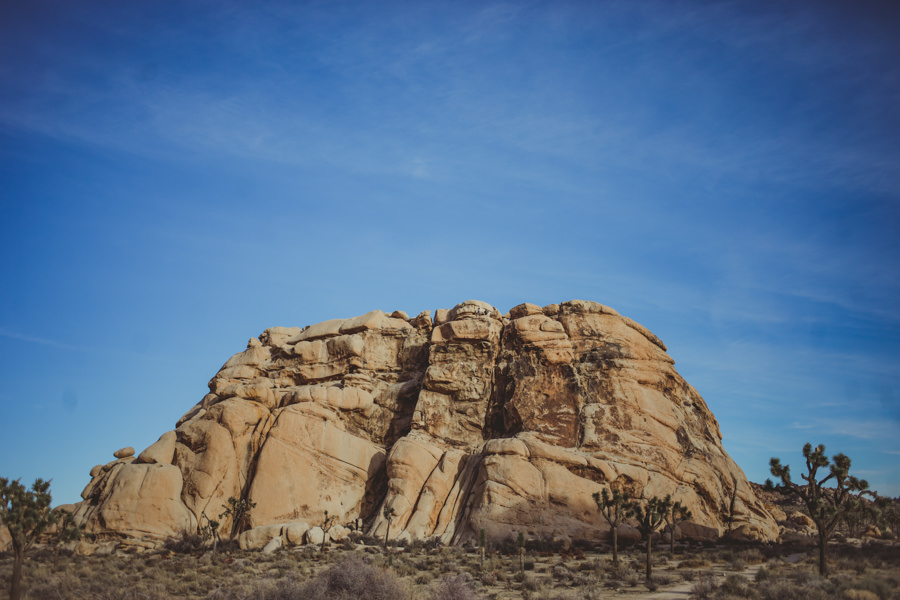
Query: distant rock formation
[{"x": 471, "y": 419}]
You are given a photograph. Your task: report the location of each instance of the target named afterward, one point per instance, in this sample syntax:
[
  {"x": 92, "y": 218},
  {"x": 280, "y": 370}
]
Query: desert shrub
[
  {"x": 561, "y": 572},
  {"x": 734, "y": 585},
  {"x": 705, "y": 587},
  {"x": 663, "y": 578},
  {"x": 351, "y": 578},
  {"x": 529, "y": 564},
  {"x": 454, "y": 588},
  {"x": 879, "y": 587},
  {"x": 531, "y": 582},
  {"x": 859, "y": 595},
  {"x": 405, "y": 569},
  {"x": 632, "y": 578},
  {"x": 751, "y": 555},
  {"x": 507, "y": 545},
  {"x": 762, "y": 575},
  {"x": 786, "y": 590},
  {"x": 738, "y": 564},
  {"x": 185, "y": 544},
  {"x": 581, "y": 594},
  {"x": 693, "y": 563},
  {"x": 584, "y": 580},
  {"x": 590, "y": 565}
]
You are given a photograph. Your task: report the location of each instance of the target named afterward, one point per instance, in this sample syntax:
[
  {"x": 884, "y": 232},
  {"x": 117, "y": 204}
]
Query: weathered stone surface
[
  {"x": 293, "y": 533},
  {"x": 310, "y": 464},
  {"x": 124, "y": 452},
  {"x": 259, "y": 537},
  {"x": 338, "y": 533},
  {"x": 473, "y": 419},
  {"x": 273, "y": 546},
  {"x": 315, "y": 535},
  {"x": 84, "y": 548},
  {"x": 160, "y": 452},
  {"x": 138, "y": 500}
]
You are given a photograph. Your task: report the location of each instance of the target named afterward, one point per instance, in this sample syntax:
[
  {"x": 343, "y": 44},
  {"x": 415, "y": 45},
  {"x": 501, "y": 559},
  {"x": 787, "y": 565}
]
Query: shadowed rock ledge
[{"x": 466, "y": 420}]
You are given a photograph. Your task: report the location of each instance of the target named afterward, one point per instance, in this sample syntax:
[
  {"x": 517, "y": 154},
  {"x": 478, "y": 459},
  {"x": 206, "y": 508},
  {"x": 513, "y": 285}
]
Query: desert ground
[{"x": 186, "y": 568}]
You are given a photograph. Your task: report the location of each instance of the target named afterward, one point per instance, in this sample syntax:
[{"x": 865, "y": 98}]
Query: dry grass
[{"x": 722, "y": 573}]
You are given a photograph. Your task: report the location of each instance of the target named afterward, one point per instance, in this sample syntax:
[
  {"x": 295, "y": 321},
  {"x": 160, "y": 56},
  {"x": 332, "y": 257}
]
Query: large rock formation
[{"x": 473, "y": 419}]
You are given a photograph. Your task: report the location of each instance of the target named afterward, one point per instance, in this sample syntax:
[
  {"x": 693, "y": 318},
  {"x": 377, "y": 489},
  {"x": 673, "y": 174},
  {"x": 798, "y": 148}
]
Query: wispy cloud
[
  {"x": 38, "y": 340},
  {"x": 863, "y": 429}
]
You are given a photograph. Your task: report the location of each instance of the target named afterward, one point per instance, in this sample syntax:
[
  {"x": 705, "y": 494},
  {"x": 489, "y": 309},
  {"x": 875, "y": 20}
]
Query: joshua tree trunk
[
  {"x": 482, "y": 542},
  {"x": 615, "y": 540},
  {"x": 823, "y": 564},
  {"x": 649, "y": 552},
  {"x": 15, "y": 588}
]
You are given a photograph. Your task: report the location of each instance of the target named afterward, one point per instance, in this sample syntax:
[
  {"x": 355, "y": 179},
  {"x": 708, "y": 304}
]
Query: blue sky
[{"x": 175, "y": 177}]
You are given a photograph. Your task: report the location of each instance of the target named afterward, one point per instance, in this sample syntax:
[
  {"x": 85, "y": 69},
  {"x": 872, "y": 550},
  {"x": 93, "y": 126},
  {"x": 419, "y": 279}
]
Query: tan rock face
[{"x": 474, "y": 419}]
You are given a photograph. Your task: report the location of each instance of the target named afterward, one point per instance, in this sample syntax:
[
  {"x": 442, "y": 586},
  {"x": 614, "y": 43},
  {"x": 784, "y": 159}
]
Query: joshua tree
[
  {"x": 614, "y": 509},
  {"x": 731, "y": 514},
  {"x": 826, "y": 505},
  {"x": 389, "y": 514},
  {"x": 26, "y": 513},
  {"x": 520, "y": 542},
  {"x": 862, "y": 516},
  {"x": 889, "y": 510},
  {"x": 239, "y": 511},
  {"x": 209, "y": 530},
  {"x": 327, "y": 522},
  {"x": 482, "y": 542},
  {"x": 676, "y": 514},
  {"x": 650, "y": 514}
]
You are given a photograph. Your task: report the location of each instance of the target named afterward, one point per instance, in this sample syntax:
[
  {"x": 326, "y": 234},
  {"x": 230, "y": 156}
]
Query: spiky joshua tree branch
[
  {"x": 826, "y": 505},
  {"x": 650, "y": 514},
  {"x": 614, "y": 508}
]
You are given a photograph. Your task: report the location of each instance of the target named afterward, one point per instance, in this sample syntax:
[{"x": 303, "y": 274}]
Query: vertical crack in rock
[{"x": 471, "y": 419}]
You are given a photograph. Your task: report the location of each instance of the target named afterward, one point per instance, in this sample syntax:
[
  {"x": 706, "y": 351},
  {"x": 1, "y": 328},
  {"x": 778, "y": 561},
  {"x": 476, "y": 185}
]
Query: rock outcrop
[{"x": 471, "y": 419}]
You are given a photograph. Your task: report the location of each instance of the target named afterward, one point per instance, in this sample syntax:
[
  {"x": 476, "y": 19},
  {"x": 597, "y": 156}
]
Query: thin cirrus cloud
[{"x": 31, "y": 339}]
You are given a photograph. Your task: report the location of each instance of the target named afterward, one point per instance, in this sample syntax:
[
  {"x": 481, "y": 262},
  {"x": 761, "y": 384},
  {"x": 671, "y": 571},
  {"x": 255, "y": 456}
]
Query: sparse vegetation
[
  {"x": 867, "y": 572},
  {"x": 517, "y": 567}
]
